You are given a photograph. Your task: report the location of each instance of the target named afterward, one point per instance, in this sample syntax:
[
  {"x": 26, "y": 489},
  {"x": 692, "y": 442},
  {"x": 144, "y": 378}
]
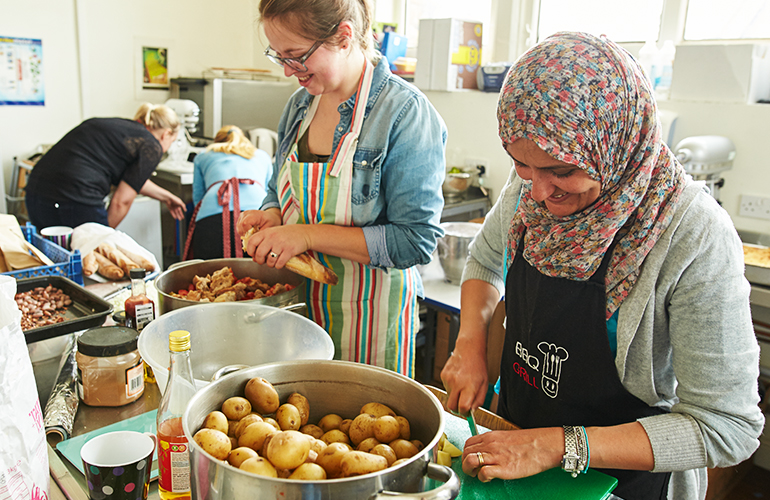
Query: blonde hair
[
  {"x": 230, "y": 139},
  {"x": 318, "y": 20},
  {"x": 158, "y": 116}
]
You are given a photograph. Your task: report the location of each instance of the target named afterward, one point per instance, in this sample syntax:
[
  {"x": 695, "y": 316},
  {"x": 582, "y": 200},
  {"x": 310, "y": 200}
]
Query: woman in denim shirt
[{"x": 357, "y": 179}]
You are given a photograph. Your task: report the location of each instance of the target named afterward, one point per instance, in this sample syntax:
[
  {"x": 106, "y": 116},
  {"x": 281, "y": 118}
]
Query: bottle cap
[
  {"x": 137, "y": 273},
  {"x": 178, "y": 341}
]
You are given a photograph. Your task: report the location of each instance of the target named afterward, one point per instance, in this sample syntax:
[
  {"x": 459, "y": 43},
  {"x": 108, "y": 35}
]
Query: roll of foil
[{"x": 62, "y": 406}]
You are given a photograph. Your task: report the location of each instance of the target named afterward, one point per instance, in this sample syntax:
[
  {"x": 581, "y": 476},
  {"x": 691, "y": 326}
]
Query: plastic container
[
  {"x": 110, "y": 369},
  {"x": 173, "y": 448},
  {"x": 663, "y": 81},
  {"x": 648, "y": 58},
  {"x": 66, "y": 263}
]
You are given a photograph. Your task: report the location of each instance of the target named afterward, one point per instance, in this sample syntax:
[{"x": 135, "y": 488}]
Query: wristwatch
[{"x": 575, "y": 459}]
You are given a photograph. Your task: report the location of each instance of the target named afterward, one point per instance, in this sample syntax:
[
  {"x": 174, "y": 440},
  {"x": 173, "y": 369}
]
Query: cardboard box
[
  {"x": 722, "y": 73},
  {"x": 448, "y": 54}
]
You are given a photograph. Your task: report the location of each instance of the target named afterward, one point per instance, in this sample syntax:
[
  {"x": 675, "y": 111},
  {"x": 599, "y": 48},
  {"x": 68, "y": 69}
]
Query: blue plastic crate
[{"x": 66, "y": 263}]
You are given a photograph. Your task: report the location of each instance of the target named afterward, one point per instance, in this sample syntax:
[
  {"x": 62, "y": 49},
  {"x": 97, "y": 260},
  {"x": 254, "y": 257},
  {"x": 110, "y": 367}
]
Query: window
[
  {"x": 723, "y": 20},
  {"x": 478, "y": 10},
  {"x": 619, "y": 20}
]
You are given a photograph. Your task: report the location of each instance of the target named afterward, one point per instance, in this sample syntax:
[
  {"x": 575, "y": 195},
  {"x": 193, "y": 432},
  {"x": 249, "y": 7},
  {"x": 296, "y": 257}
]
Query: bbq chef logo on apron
[{"x": 552, "y": 360}]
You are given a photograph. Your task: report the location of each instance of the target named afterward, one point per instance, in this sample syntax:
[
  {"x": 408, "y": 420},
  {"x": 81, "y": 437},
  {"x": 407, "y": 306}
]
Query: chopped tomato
[
  {"x": 289, "y": 287},
  {"x": 183, "y": 292},
  {"x": 249, "y": 295},
  {"x": 244, "y": 280},
  {"x": 191, "y": 287}
]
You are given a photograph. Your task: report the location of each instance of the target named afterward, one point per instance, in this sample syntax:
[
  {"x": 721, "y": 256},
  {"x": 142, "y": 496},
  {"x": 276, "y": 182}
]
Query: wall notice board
[{"x": 21, "y": 72}]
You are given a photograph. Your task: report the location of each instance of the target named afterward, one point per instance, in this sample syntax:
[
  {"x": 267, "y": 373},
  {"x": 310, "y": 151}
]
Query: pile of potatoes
[{"x": 258, "y": 434}]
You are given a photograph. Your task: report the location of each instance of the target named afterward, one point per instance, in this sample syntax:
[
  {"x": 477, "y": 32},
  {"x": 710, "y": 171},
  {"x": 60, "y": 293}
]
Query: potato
[
  {"x": 233, "y": 442},
  {"x": 367, "y": 444},
  {"x": 418, "y": 444},
  {"x": 302, "y": 404},
  {"x": 329, "y": 422},
  {"x": 312, "y": 430},
  {"x": 386, "y": 451},
  {"x": 214, "y": 442},
  {"x": 283, "y": 473},
  {"x": 263, "y": 451},
  {"x": 216, "y": 420},
  {"x": 309, "y": 472},
  {"x": 386, "y": 429},
  {"x": 406, "y": 431},
  {"x": 245, "y": 422},
  {"x": 259, "y": 466},
  {"x": 317, "y": 445},
  {"x": 231, "y": 426},
  {"x": 273, "y": 422},
  {"x": 345, "y": 425},
  {"x": 287, "y": 449},
  {"x": 262, "y": 395},
  {"x": 403, "y": 448},
  {"x": 254, "y": 435},
  {"x": 377, "y": 409},
  {"x": 239, "y": 455},
  {"x": 361, "y": 428},
  {"x": 236, "y": 407},
  {"x": 329, "y": 458},
  {"x": 335, "y": 436},
  {"x": 288, "y": 417},
  {"x": 357, "y": 463},
  {"x": 399, "y": 462}
]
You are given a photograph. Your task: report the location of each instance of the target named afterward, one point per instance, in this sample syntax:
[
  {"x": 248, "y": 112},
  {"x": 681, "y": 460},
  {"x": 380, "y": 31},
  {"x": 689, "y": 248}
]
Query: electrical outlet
[
  {"x": 757, "y": 207},
  {"x": 472, "y": 164}
]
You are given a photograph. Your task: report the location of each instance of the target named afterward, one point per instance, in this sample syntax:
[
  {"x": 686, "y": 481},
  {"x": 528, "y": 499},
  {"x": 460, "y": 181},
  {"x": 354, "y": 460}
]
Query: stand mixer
[
  {"x": 188, "y": 112},
  {"x": 704, "y": 157}
]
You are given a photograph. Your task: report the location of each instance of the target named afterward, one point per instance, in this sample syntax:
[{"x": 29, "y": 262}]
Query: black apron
[{"x": 558, "y": 368}]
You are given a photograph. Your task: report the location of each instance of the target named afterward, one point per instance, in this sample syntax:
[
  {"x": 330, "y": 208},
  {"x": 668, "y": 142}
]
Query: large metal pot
[
  {"x": 339, "y": 387},
  {"x": 179, "y": 276},
  {"x": 233, "y": 334}
]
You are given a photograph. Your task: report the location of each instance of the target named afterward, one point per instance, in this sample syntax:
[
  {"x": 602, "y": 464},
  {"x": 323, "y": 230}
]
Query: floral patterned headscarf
[{"x": 585, "y": 101}]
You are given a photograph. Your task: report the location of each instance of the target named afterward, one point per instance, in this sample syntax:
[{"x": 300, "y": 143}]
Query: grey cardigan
[{"x": 685, "y": 337}]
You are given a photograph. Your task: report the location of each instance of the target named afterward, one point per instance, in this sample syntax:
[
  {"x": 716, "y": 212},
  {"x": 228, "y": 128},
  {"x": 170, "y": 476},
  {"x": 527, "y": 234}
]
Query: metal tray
[
  {"x": 755, "y": 274},
  {"x": 87, "y": 310}
]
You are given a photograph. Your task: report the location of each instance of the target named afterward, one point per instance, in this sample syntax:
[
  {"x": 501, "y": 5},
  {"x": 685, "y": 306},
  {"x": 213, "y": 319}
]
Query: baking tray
[
  {"x": 755, "y": 274},
  {"x": 87, "y": 310}
]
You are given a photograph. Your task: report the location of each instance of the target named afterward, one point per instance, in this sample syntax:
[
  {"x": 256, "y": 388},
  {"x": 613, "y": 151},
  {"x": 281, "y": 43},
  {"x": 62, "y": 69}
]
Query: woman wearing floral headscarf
[{"x": 629, "y": 345}]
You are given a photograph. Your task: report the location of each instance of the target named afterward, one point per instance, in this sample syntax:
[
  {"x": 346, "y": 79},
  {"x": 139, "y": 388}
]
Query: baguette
[
  {"x": 118, "y": 257},
  {"x": 90, "y": 265},
  {"x": 143, "y": 262},
  {"x": 302, "y": 264},
  {"x": 107, "y": 268}
]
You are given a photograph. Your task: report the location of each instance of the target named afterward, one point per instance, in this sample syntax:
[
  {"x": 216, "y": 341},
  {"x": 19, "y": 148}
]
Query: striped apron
[{"x": 371, "y": 314}]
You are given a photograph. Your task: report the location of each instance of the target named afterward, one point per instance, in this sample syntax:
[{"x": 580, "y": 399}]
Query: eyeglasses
[{"x": 295, "y": 63}]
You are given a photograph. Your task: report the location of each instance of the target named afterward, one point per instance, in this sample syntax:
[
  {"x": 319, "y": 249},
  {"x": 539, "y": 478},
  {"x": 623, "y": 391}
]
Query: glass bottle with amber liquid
[{"x": 173, "y": 448}]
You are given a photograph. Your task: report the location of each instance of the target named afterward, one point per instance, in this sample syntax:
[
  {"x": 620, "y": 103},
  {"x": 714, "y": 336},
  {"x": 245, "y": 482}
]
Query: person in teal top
[{"x": 231, "y": 173}]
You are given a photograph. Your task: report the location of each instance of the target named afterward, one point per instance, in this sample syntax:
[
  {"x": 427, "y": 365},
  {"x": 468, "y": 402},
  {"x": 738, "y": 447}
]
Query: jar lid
[{"x": 105, "y": 341}]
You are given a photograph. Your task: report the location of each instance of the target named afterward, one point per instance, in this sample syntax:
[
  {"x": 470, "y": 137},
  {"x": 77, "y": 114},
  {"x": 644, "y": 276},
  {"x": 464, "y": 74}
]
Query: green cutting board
[
  {"x": 553, "y": 484},
  {"x": 145, "y": 422}
]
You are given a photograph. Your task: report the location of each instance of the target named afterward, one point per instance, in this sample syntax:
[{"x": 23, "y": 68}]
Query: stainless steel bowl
[
  {"x": 456, "y": 185},
  {"x": 181, "y": 275},
  {"x": 233, "y": 333},
  {"x": 453, "y": 248},
  {"x": 339, "y": 387}
]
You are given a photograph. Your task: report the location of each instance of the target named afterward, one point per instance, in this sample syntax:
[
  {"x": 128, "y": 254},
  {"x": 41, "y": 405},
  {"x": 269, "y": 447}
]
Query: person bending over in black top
[{"x": 68, "y": 185}]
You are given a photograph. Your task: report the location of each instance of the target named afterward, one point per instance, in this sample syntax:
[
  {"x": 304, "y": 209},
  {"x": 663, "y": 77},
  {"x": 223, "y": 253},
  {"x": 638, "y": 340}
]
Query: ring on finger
[
  {"x": 480, "y": 456},
  {"x": 273, "y": 255}
]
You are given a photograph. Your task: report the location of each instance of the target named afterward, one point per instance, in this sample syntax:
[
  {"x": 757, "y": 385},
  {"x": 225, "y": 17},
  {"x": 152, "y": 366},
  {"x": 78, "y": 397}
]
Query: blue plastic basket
[{"x": 67, "y": 264}]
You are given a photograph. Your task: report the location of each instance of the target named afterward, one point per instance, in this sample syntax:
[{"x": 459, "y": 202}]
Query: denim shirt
[{"x": 398, "y": 168}]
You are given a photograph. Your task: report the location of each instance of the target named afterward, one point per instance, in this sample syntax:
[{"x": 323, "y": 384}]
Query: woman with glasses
[{"x": 357, "y": 179}]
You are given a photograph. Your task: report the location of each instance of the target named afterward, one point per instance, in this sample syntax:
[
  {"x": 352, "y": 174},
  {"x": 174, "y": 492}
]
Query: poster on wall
[
  {"x": 21, "y": 72},
  {"x": 155, "y": 66}
]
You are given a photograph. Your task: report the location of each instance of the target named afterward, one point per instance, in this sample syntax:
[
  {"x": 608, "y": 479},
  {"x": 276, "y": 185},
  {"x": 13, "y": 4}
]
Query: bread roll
[
  {"x": 117, "y": 257},
  {"x": 107, "y": 268},
  {"x": 90, "y": 265},
  {"x": 143, "y": 262}
]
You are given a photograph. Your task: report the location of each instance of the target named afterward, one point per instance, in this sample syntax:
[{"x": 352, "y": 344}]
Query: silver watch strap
[{"x": 575, "y": 458}]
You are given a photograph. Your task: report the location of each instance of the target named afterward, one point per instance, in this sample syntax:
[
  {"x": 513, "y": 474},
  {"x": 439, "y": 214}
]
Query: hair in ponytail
[
  {"x": 316, "y": 20},
  {"x": 157, "y": 116},
  {"x": 230, "y": 139}
]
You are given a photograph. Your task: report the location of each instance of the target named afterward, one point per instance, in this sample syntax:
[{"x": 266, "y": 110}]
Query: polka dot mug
[{"x": 117, "y": 465}]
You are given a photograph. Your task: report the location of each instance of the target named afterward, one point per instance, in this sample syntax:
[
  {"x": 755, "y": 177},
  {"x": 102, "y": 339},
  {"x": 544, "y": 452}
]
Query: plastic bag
[{"x": 24, "y": 452}]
